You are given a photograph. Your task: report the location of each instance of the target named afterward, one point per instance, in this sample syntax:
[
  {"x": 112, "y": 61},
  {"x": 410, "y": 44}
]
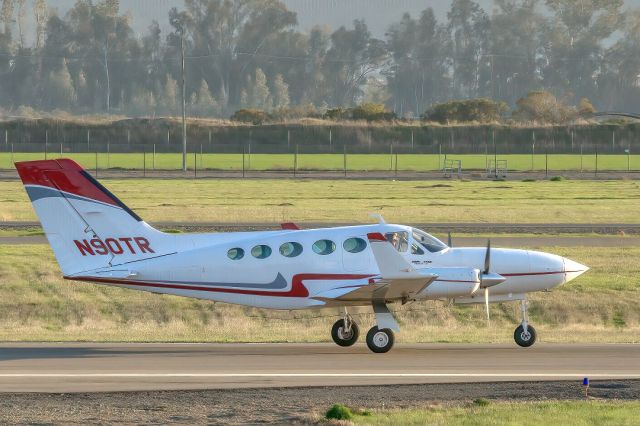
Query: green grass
[
  {"x": 355, "y": 162},
  {"x": 37, "y": 305},
  {"x": 612, "y": 413},
  {"x": 347, "y": 201}
]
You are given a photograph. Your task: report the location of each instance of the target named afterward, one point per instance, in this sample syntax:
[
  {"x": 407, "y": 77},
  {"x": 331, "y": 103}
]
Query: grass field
[
  {"x": 345, "y": 201},
  {"x": 355, "y": 162},
  {"x": 511, "y": 413},
  {"x": 37, "y": 305}
]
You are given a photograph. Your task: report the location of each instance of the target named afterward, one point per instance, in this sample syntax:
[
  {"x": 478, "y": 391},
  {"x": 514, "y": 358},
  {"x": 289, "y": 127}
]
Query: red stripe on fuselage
[{"x": 297, "y": 288}]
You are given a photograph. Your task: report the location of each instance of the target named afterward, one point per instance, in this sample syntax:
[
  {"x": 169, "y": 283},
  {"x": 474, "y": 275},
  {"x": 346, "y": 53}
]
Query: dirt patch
[{"x": 280, "y": 405}]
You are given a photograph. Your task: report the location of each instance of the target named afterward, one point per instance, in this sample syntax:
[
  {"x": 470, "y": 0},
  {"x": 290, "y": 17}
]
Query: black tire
[
  {"x": 525, "y": 340},
  {"x": 338, "y": 335},
  {"x": 380, "y": 341}
]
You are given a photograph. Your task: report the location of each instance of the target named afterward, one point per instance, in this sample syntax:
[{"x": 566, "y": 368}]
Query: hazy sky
[{"x": 379, "y": 14}]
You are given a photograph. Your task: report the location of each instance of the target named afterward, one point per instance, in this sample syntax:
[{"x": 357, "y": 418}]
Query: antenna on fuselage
[{"x": 379, "y": 217}]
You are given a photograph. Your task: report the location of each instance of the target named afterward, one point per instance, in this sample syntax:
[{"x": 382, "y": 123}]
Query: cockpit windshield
[{"x": 427, "y": 241}]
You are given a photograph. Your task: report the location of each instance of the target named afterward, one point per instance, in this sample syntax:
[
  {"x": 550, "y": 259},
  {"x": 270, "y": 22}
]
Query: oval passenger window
[
  {"x": 235, "y": 253},
  {"x": 324, "y": 247},
  {"x": 354, "y": 245},
  {"x": 290, "y": 249},
  {"x": 261, "y": 251}
]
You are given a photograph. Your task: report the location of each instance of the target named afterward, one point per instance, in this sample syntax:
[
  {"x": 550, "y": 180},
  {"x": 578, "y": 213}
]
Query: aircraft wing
[{"x": 399, "y": 280}]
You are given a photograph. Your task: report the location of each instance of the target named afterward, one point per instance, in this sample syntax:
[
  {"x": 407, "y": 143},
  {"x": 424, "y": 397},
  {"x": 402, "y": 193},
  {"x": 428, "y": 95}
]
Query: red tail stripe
[{"x": 62, "y": 174}]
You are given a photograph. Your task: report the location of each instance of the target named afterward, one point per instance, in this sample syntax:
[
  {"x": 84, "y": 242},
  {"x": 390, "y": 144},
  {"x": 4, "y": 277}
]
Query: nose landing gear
[
  {"x": 345, "y": 331},
  {"x": 525, "y": 334}
]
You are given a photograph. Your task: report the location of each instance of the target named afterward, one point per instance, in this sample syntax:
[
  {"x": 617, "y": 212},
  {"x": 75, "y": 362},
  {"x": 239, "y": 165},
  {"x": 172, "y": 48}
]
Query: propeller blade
[
  {"x": 487, "y": 258},
  {"x": 449, "y": 242},
  {"x": 486, "y": 303}
]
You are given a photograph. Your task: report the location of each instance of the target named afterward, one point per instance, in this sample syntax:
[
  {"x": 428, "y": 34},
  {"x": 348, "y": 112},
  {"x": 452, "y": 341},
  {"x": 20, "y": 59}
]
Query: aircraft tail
[{"x": 87, "y": 226}]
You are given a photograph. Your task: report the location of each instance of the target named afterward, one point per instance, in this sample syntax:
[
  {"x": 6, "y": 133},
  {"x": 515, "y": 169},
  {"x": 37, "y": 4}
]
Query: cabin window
[
  {"x": 354, "y": 245},
  {"x": 235, "y": 253},
  {"x": 324, "y": 247},
  {"x": 399, "y": 240},
  {"x": 261, "y": 251},
  {"x": 290, "y": 249}
]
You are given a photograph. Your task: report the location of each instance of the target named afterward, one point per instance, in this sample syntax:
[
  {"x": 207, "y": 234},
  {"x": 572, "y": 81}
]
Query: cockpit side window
[
  {"x": 427, "y": 241},
  {"x": 415, "y": 249},
  {"x": 399, "y": 240}
]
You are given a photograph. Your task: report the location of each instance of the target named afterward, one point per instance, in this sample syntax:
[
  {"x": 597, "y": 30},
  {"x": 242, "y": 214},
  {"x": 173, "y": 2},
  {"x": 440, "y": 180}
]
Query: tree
[
  {"x": 468, "y": 31},
  {"x": 260, "y": 96},
  {"x": 418, "y": 75},
  {"x": 170, "y": 95},
  {"x": 516, "y": 43},
  {"x": 280, "y": 92},
  {"x": 353, "y": 56},
  {"x": 573, "y": 43},
  {"x": 203, "y": 103},
  {"x": 60, "y": 89},
  {"x": 543, "y": 107},
  {"x": 476, "y": 110}
]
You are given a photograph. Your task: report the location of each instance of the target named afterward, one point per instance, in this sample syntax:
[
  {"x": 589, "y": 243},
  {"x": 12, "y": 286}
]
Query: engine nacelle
[{"x": 451, "y": 282}]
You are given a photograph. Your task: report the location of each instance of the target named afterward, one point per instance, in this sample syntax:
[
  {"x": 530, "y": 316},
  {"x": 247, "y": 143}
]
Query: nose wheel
[
  {"x": 525, "y": 334},
  {"x": 345, "y": 331}
]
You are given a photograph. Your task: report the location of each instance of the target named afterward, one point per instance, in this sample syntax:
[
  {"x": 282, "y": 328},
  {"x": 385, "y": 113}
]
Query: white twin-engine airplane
[{"x": 96, "y": 238}]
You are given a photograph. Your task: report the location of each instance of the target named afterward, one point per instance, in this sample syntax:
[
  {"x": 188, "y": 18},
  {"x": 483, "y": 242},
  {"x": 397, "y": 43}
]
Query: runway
[{"x": 82, "y": 367}]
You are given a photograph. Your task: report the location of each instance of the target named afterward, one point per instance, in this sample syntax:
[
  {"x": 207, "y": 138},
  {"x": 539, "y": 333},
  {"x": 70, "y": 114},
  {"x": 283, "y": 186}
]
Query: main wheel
[
  {"x": 525, "y": 339},
  {"x": 341, "y": 336},
  {"x": 380, "y": 341}
]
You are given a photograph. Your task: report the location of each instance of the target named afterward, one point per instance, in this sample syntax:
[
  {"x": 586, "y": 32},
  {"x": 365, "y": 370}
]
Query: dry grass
[
  {"x": 37, "y": 305},
  {"x": 346, "y": 201}
]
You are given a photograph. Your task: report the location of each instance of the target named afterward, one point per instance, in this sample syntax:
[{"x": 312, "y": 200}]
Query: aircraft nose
[{"x": 573, "y": 269}]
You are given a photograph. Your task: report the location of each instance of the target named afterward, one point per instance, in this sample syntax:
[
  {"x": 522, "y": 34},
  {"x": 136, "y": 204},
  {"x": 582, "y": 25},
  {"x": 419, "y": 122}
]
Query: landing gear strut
[
  {"x": 345, "y": 331},
  {"x": 525, "y": 334}
]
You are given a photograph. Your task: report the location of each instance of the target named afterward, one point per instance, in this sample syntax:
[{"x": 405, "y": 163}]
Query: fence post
[
  {"x": 108, "y": 156},
  {"x": 533, "y": 149},
  {"x": 396, "y": 163},
  {"x": 596, "y": 173},
  {"x": 546, "y": 163},
  {"x": 344, "y": 159},
  {"x": 289, "y": 140},
  {"x": 412, "y": 141},
  {"x": 209, "y": 138},
  {"x": 581, "y": 168},
  {"x": 629, "y": 158},
  {"x": 6, "y": 136},
  {"x": 391, "y": 156},
  {"x": 12, "y": 161},
  {"x": 201, "y": 159},
  {"x": 168, "y": 136},
  {"x": 249, "y": 157},
  {"x": 195, "y": 163},
  {"x": 60, "y": 150},
  {"x": 96, "y": 162},
  {"x": 153, "y": 158},
  {"x": 144, "y": 162},
  {"x": 330, "y": 141},
  {"x": 46, "y": 143},
  {"x": 129, "y": 137},
  {"x": 295, "y": 160},
  {"x": 88, "y": 138},
  {"x": 243, "y": 150}
]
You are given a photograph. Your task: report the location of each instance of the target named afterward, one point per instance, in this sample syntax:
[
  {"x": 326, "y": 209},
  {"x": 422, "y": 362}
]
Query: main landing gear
[
  {"x": 525, "y": 334},
  {"x": 380, "y": 337}
]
